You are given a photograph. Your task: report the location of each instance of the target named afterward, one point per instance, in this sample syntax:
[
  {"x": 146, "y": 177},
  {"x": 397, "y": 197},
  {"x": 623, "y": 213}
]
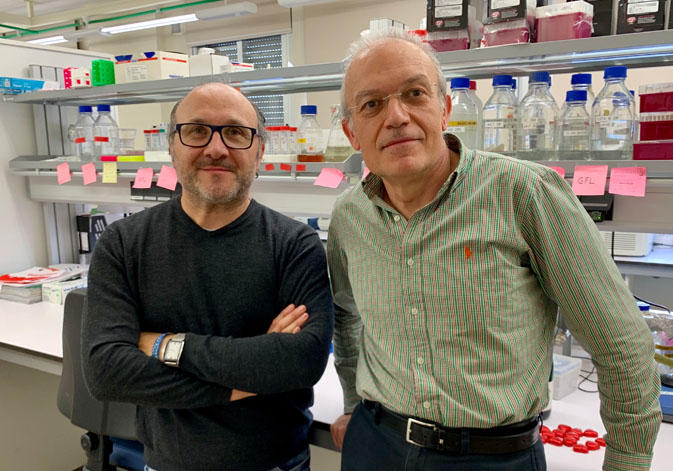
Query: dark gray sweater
[{"x": 158, "y": 271}]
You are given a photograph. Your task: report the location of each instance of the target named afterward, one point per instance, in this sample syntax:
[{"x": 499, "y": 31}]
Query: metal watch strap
[{"x": 173, "y": 352}]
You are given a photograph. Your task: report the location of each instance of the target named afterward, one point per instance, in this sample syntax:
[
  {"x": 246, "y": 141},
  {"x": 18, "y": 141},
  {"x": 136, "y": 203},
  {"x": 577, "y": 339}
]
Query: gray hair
[
  {"x": 261, "y": 120},
  {"x": 373, "y": 39}
]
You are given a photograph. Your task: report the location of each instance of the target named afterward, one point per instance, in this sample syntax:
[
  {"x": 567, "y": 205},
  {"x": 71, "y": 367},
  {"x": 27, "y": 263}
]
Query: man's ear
[{"x": 345, "y": 125}]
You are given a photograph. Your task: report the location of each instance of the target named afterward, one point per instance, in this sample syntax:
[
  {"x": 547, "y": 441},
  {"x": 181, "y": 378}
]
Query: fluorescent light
[
  {"x": 84, "y": 33},
  {"x": 235, "y": 9},
  {"x": 149, "y": 24},
  {"x": 301, "y": 3},
  {"x": 49, "y": 40}
]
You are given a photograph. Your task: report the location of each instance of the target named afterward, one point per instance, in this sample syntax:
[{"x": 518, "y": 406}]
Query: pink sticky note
[
  {"x": 143, "y": 178},
  {"x": 63, "y": 173},
  {"x": 628, "y": 181},
  {"x": 559, "y": 170},
  {"x": 167, "y": 178},
  {"x": 329, "y": 178},
  {"x": 590, "y": 180},
  {"x": 365, "y": 172},
  {"x": 89, "y": 173}
]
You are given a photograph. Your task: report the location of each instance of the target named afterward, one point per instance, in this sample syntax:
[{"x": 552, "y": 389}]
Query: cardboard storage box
[
  {"x": 56, "y": 292},
  {"x": 151, "y": 65},
  {"x": 208, "y": 64}
]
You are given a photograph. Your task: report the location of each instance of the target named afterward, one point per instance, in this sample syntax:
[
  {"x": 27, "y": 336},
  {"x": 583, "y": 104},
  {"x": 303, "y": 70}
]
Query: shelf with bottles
[{"x": 633, "y": 50}]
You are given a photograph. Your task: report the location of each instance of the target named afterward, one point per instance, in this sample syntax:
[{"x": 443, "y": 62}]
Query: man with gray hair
[
  {"x": 448, "y": 265},
  {"x": 182, "y": 312}
]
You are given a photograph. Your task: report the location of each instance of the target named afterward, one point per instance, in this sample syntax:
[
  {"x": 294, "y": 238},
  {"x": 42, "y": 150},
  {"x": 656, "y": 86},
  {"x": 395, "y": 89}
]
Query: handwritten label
[
  {"x": 329, "y": 178},
  {"x": 89, "y": 173},
  {"x": 143, "y": 178},
  {"x": 109, "y": 172},
  {"x": 63, "y": 173},
  {"x": 629, "y": 181},
  {"x": 168, "y": 178},
  {"x": 590, "y": 180}
]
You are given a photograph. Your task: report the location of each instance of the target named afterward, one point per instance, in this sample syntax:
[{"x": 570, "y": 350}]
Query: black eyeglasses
[{"x": 199, "y": 135}]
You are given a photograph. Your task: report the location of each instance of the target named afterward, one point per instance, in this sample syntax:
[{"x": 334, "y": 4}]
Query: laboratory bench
[{"x": 31, "y": 336}]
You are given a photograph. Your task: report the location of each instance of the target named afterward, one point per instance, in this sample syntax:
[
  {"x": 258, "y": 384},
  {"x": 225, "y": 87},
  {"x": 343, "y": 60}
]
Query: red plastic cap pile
[{"x": 565, "y": 435}]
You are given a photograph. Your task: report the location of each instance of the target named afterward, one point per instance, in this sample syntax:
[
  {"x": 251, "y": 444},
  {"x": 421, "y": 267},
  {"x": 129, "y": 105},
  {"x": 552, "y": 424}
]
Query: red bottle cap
[
  {"x": 590, "y": 433},
  {"x": 591, "y": 445},
  {"x": 578, "y": 430},
  {"x": 544, "y": 438},
  {"x": 559, "y": 433},
  {"x": 580, "y": 449},
  {"x": 564, "y": 427},
  {"x": 569, "y": 441},
  {"x": 600, "y": 441},
  {"x": 545, "y": 429},
  {"x": 575, "y": 435}
]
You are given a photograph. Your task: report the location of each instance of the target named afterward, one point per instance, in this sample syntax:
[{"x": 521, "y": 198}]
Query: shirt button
[
  {"x": 410, "y": 262},
  {"x": 396, "y": 218},
  {"x": 420, "y": 360},
  {"x": 414, "y": 311},
  {"x": 426, "y": 404}
]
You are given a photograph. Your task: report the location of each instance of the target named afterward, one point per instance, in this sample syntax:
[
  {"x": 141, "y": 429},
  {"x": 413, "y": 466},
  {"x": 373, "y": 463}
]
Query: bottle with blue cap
[
  {"x": 574, "y": 143},
  {"x": 464, "y": 117},
  {"x": 538, "y": 117},
  {"x": 310, "y": 141},
  {"x": 612, "y": 118},
  {"x": 83, "y": 133},
  {"x": 106, "y": 133},
  {"x": 500, "y": 117},
  {"x": 581, "y": 82}
]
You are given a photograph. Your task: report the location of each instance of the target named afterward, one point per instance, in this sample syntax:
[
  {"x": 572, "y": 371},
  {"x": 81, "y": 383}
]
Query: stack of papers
[{"x": 26, "y": 286}]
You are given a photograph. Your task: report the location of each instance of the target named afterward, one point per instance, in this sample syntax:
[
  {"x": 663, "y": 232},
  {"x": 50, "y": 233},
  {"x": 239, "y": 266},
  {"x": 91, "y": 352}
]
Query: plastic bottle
[
  {"x": 574, "y": 132},
  {"x": 500, "y": 117},
  {"x": 539, "y": 116},
  {"x": 464, "y": 117},
  {"x": 310, "y": 136},
  {"x": 480, "y": 107},
  {"x": 338, "y": 146},
  {"x": 105, "y": 132},
  {"x": 612, "y": 118},
  {"x": 84, "y": 133}
]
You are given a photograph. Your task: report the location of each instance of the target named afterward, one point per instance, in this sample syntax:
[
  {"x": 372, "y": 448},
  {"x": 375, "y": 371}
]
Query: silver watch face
[{"x": 172, "y": 351}]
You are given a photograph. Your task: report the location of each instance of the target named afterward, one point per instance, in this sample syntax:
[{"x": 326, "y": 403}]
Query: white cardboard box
[
  {"x": 208, "y": 64},
  {"x": 566, "y": 373},
  {"x": 152, "y": 65},
  {"x": 56, "y": 292}
]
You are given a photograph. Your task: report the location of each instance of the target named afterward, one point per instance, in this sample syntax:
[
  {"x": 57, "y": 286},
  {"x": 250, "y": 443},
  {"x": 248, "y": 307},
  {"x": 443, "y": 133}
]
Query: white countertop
[{"x": 37, "y": 328}]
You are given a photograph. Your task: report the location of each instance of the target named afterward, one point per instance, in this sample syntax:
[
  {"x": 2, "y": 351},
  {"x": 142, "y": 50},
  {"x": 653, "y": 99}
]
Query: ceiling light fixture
[
  {"x": 301, "y": 3},
  {"x": 84, "y": 33},
  {"x": 49, "y": 40},
  {"x": 149, "y": 24},
  {"x": 225, "y": 11}
]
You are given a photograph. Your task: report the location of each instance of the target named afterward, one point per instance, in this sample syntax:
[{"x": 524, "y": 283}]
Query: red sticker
[
  {"x": 286, "y": 167},
  {"x": 300, "y": 168},
  {"x": 269, "y": 167}
]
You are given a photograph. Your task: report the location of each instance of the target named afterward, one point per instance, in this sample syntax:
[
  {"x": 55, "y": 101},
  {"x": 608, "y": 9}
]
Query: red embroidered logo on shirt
[{"x": 468, "y": 253}]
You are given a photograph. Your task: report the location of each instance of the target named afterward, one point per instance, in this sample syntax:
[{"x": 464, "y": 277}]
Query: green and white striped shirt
[{"x": 449, "y": 316}]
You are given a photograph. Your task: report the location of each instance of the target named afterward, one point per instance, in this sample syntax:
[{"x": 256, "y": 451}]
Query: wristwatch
[{"x": 173, "y": 350}]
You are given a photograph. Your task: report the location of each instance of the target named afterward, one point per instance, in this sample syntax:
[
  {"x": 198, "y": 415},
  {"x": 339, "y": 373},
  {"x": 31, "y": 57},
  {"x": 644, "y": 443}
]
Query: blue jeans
[
  {"x": 370, "y": 446},
  {"x": 301, "y": 462}
]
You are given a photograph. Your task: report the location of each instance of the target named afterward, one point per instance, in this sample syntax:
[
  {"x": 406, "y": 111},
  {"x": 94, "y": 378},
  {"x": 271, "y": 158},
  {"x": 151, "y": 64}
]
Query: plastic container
[
  {"x": 656, "y": 97},
  {"x": 566, "y": 374},
  {"x": 102, "y": 72},
  {"x": 509, "y": 32},
  {"x": 656, "y": 126},
  {"x": 612, "y": 118},
  {"x": 538, "y": 117},
  {"x": 500, "y": 117},
  {"x": 442, "y": 41},
  {"x": 105, "y": 133},
  {"x": 653, "y": 150},
  {"x": 574, "y": 129},
  {"x": 480, "y": 107},
  {"x": 464, "y": 117},
  {"x": 126, "y": 138},
  {"x": 310, "y": 136},
  {"x": 338, "y": 146},
  {"x": 83, "y": 134},
  {"x": 561, "y": 21}
]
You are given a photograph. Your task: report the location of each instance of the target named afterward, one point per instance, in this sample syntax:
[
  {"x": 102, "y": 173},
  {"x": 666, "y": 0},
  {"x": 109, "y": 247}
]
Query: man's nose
[
  {"x": 396, "y": 113},
  {"x": 216, "y": 147}
]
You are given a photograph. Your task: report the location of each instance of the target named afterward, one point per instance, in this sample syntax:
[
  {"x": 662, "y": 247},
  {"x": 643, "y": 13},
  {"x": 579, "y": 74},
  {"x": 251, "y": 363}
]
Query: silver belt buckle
[{"x": 433, "y": 427}]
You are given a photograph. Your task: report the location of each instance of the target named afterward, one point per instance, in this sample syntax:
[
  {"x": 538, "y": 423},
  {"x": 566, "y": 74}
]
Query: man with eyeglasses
[
  {"x": 211, "y": 312},
  {"x": 447, "y": 266}
]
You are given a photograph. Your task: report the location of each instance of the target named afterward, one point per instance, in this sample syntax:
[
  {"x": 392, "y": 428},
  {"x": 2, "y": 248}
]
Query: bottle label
[
  {"x": 455, "y": 129},
  {"x": 80, "y": 140},
  {"x": 494, "y": 124},
  {"x": 462, "y": 123},
  {"x": 642, "y": 7},
  {"x": 101, "y": 139},
  {"x": 602, "y": 119},
  {"x": 576, "y": 133},
  {"x": 532, "y": 123},
  {"x": 301, "y": 140}
]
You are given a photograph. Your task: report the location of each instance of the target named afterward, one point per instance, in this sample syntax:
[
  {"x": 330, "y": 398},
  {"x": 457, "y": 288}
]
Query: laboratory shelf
[
  {"x": 656, "y": 169},
  {"x": 633, "y": 50}
]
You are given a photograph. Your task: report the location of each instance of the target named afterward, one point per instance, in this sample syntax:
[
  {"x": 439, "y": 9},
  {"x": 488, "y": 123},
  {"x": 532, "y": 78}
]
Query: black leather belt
[{"x": 497, "y": 440}]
